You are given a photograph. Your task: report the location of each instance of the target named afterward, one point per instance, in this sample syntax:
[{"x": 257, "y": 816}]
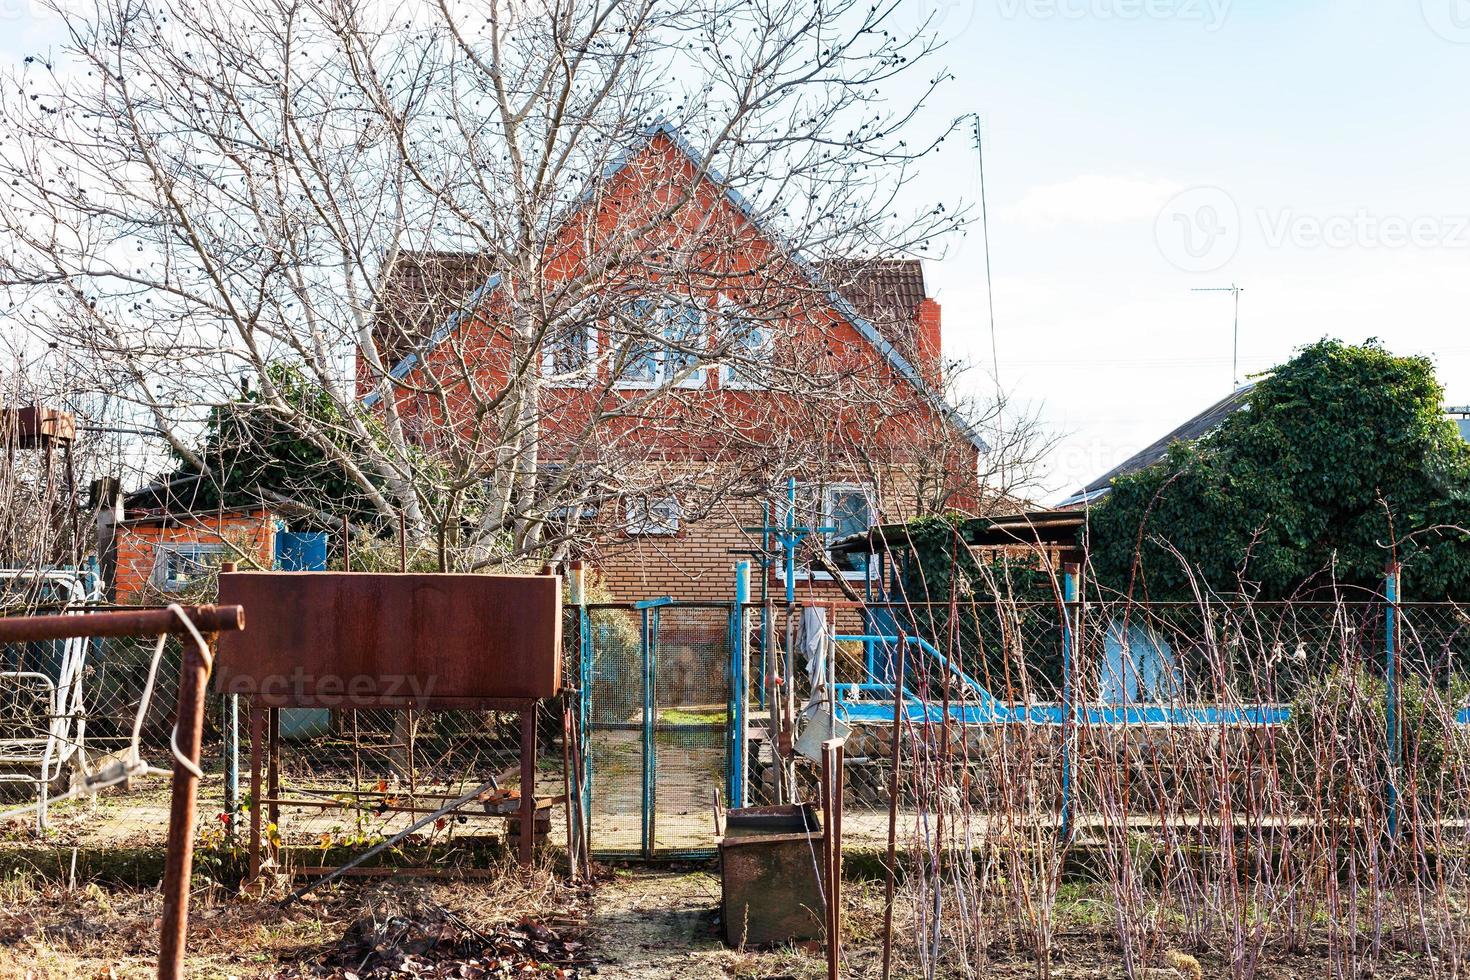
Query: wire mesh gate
[{"x": 658, "y": 724}]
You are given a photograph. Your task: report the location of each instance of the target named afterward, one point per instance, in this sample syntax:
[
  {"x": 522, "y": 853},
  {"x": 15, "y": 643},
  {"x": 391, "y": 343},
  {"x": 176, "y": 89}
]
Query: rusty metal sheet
[{"x": 359, "y": 640}]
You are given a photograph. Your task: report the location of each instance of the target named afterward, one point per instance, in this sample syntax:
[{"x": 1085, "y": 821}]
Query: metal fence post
[
  {"x": 735, "y": 726},
  {"x": 583, "y": 705},
  {"x": 1069, "y": 598},
  {"x": 649, "y": 707},
  {"x": 1391, "y": 691},
  {"x": 231, "y": 722}
]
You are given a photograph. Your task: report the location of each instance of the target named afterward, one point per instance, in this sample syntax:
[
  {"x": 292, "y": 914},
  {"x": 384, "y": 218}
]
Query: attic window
[{"x": 662, "y": 343}]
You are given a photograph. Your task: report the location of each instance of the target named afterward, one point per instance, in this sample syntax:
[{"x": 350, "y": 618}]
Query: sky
[{"x": 1312, "y": 152}]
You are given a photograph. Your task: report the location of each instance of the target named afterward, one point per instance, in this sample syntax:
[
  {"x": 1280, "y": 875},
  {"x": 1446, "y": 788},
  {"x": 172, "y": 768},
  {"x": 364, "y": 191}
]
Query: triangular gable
[{"x": 839, "y": 303}]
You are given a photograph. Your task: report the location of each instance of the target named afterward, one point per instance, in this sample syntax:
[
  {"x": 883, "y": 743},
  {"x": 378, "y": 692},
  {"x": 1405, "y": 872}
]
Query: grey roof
[{"x": 1201, "y": 425}]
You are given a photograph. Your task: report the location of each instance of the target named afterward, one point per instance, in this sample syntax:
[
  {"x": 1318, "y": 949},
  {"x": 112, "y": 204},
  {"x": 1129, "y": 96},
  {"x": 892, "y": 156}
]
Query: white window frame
[
  {"x": 641, "y": 520},
  {"x": 662, "y": 314},
  {"x": 159, "y": 576},
  {"x": 829, "y": 490},
  {"x": 731, "y": 375},
  {"x": 583, "y": 376}
]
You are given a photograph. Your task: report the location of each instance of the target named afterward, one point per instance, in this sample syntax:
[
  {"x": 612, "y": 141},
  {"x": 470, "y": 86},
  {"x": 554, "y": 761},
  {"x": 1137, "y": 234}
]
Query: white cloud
[{"x": 1093, "y": 199}]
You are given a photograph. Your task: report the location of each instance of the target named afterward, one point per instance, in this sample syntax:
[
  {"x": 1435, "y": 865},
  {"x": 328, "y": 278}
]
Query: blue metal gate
[{"x": 661, "y": 724}]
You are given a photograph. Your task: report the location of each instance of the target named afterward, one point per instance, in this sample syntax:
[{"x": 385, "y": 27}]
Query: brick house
[
  {"x": 890, "y": 448},
  {"x": 165, "y": 549}
]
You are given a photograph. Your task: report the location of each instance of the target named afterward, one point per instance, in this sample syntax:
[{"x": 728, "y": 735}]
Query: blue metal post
[
  {"x": 1069, "y": 599},
  {"x": 789, "y": 541},
  {"x": 584, "y": 693},
  {"x": 649, "y": 707},
  {"x": 739, "y": 694},
  {"x": 1391, "y": 692}
]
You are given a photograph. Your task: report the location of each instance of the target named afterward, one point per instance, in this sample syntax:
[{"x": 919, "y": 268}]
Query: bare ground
[{"x": 638, "y": 924}]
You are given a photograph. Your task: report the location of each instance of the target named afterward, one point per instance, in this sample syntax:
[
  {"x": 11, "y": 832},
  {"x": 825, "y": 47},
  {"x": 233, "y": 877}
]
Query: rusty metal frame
[{"x": 188, "y": 729}]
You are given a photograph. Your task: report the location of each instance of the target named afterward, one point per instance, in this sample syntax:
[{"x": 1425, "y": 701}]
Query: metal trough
[{"x": 771, "y": 892}]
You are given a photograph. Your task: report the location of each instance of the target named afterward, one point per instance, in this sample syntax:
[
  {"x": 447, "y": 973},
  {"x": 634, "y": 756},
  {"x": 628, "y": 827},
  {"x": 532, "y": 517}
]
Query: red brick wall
[
  {"x": 698, "y": 563},
  {"x": 885, "y": 413},
  {"x": 249, "y": 538}
]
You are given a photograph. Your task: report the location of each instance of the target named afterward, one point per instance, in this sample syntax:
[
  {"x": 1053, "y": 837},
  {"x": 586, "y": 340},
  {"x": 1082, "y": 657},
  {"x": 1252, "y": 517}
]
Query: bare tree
[{"x": 287, "y": 200}]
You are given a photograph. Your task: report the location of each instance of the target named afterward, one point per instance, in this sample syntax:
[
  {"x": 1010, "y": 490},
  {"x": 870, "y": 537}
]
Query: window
[
  {"x": 181, "y": 566},
  {"x": 749, "y": 345},
  {"x": 651, "y": 516},
  {"x": 570, "y": 352},
  {"x": 664, "y": 341},
  {"x": 847, "y": 508}
]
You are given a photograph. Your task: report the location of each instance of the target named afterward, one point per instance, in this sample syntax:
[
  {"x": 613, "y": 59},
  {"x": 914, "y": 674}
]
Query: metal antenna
[{"x": 1235, "y": 330}]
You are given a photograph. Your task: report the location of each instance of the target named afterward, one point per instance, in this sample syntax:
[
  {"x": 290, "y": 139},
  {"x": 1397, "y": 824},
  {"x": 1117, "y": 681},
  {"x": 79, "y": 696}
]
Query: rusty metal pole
[
  {"x": 132, "y": 622},
  {"x": 528, "y": 786},
  {"x": 257, "y": 745},
  {"x": 189, "y": 731}
]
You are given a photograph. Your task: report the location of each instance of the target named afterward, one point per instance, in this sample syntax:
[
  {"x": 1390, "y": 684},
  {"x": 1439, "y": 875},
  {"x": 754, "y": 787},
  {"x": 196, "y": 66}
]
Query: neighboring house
[
  {"x": 164, "y": 548},
  {"x": 872, "y": 458},
  {"x": 1460, "y": 415},
  {"x": 1196, "y": 428}
]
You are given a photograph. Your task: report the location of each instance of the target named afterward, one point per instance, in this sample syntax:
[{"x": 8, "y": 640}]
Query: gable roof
[
  {"x": 840, "y": 303},
  {"x": 1196, "y": 428}
]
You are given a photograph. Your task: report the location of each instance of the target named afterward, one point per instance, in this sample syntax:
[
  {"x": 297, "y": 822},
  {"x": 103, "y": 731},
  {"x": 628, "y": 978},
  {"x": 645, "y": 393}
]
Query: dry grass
[{"x": 50, "y": 931}]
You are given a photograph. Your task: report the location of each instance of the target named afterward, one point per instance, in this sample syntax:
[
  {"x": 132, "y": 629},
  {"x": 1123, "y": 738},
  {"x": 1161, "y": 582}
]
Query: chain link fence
[
  {"x": 1113, "y": 721},
  {"x": 1135, "y": 713}
]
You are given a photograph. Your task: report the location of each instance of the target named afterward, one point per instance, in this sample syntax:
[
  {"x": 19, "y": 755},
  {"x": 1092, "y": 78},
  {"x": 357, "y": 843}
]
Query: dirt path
[{"x": 649, "y": 925}]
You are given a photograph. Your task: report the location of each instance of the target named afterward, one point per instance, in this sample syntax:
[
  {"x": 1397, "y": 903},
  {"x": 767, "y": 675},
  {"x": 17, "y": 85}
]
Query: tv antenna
[{"x": 1235, "y": 291}]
